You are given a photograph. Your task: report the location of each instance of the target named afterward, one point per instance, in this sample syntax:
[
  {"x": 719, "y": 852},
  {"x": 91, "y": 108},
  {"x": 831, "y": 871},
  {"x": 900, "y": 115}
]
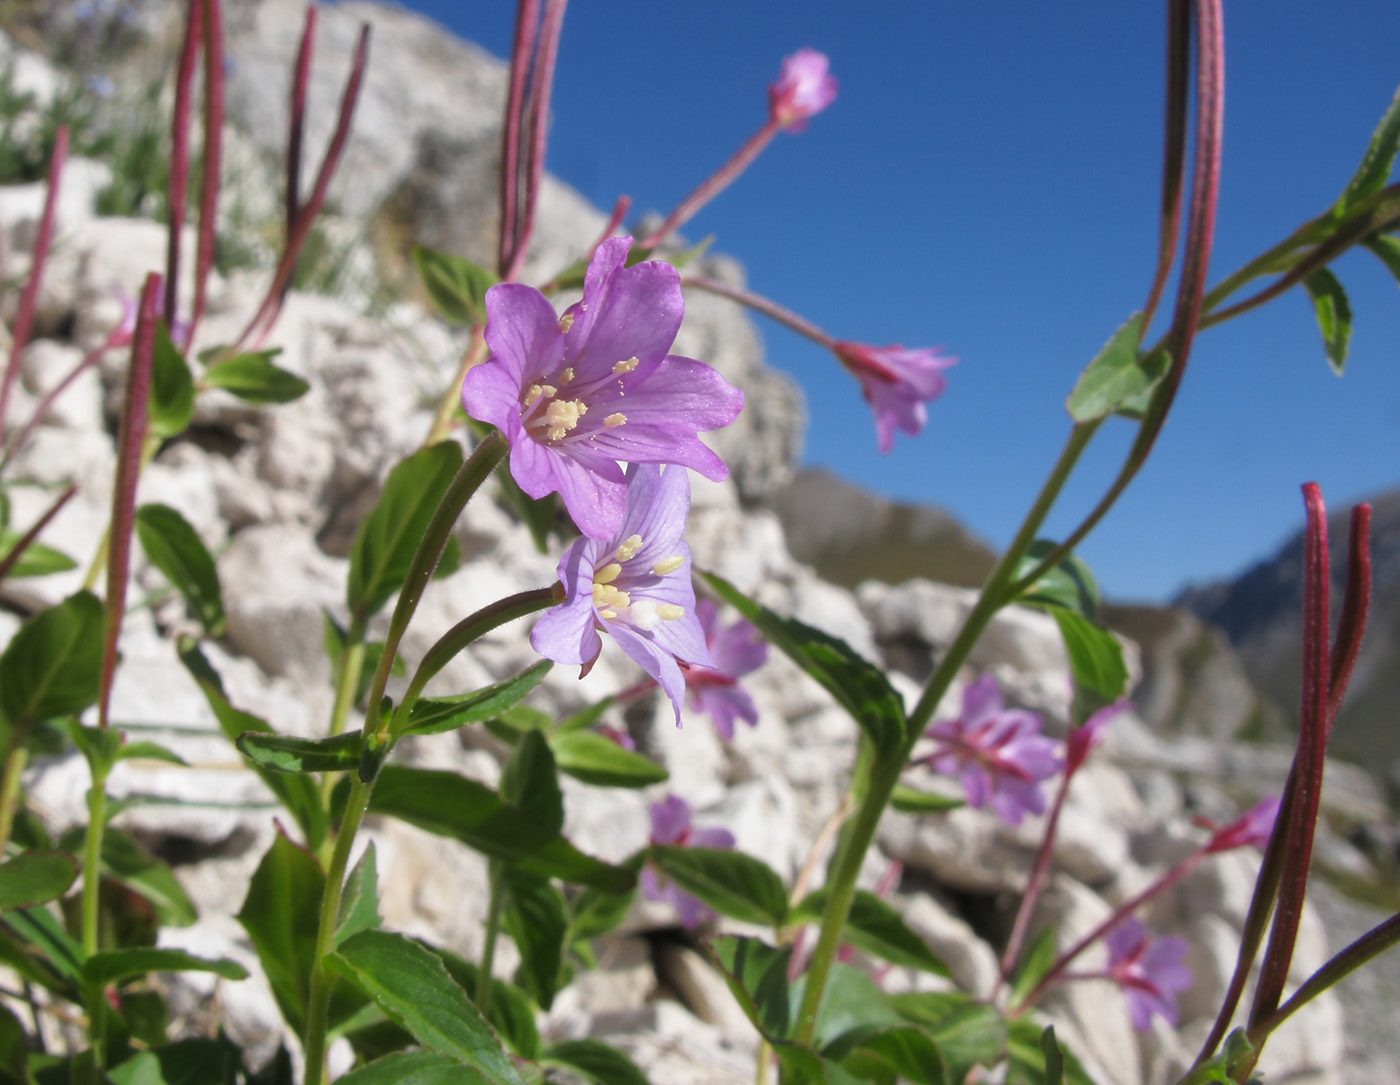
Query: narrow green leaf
[
  {"x": 99, "y": 746},
  {"x": 757, "y": 975},
  {"x": 172, "y": 388},
  {"x": 594, "y": 913},
  {"x": 51, "y": 666},
  {"x": 44, "y": 940},
  {"x": 113, "y": 965},
  {"x": 511, "y": 724},
  {"x": 389, "y": 536},
  {"x": 1155, "y": 365},
  {"x": 254, "y": 379},
  {"x": 35, "y": 877},
  {"x": 291, "y": 753},
  {"x": 530, "y": 782},
  {"x": 431, "y": 717},
  {"x": 1054, "y": 1060},
  {"x": 457, "y": 286},
  {"x": 1034, "y": 963},
  {"x": 730, "y": 882},
  {"x": 1095, "y": 656},
  {"x": 585, "y": 718},
  {"x": 1386, "y": 249},
  {"x": 414, "y": 1068},
  {"x": 874, "y": 927},
  {"x": 512, "y": 1013},
  {"x": 910, "y": 800},
  {"x": 452, "y": 806},
  {"x": 901, "y": 1050},
  {"x": 1114, "y": 376},
  {"x": 412, "y": 987},
  {"x": 177, "y": 551},
  {"x": 281, "y": 913},
  {"x": 859, "y": 686},
  {"x": 185, "y": 1062},
  {"x": 1070, "y": 584},
  {"x": 37, "y": 559},
  {"x": 803, "y": 1066},
  {"x": 1374, "y": 171},
  {"x": 595, "y": 1061},
  {"x": 148, "y": 751},
  {"x": 968, "y": 1031},
  {"x": 537, "y": 919},
  {"x": 359, "y": 902},
  {"x": 597, "y": 760},
  {"x": 1333, "y": 313},
  {"x": 852, "y": 1006},
  {"x": 1026, "y": 1057},
  {"x": 127, "y": 863}
]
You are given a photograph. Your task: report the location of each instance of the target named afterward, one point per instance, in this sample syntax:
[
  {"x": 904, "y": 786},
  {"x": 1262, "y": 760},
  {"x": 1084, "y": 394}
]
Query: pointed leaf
[
  {"x": 359, "y": 901},
  {"x": 174, "y": 548},
  {"x": 1026, "y": 1057},
  {"x": 457, "y": 286},
  {"x": 596, "y": 759},
  {"x": 35, "y": 877},
  {"x": 803, "y": 1066},
  {"x": 1374, "y": 171},
  {"x": 172, "y": 388},
  {"x": 431, "y": 717},
  {"x": 452, "y": 806},
  {"x": 852, "y": 1007},
  {"x": 730, "y": 882},
  {"x": 757, "y": 975},
  {"x": 415, "y": 1068},
  {"x": 1386, "y": 248},
  {"x": 537, "y": 919},
  {"x": 1054, "y": 1060},
  {"x": 1070, "y": 584},
  {"x": 874, "y": 927},
  {"x": 512, "y": 1013},
  {"x": 113, "y": 965},
  {"x": 148, "y": 751},
  {"x": 901, "y": 1050},
  {"x": 1095, "y": 656},
  {"x": 281, "y": 914},
  {"x": 410, "y": 984},
  {"x": 859, "y": 686},
  {"x": 186, "y": 1062},
  {"x": 1034, "y": 963},
  {"x": 530, "y": 782},
  {"x": 51, "y": 666},
  {"x": 1333, "y": 313},
  {"x": 968, "y": 1031},
  {"x": 389, "y": 536},
  {"x": 594, "y": 1060},
  {"x": 254, "y": 379},
  {"x": 37, "y": 559},
  {"x": 910, "y": 800},
  {"x": 291, "y": 753},
  {"x": 127, "y": 863},
  {"x": 594, "y": 913},
  {"x": 1115, "y": 376}
]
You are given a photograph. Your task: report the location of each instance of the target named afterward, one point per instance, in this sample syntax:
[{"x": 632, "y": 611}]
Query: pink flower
[
  {"x": 1149, "y": 970},
  {"x": 896, "y": 383},
  {"x": 670, "y": 827},
  {"x": 1085, "y": 738},
  {"x": 999, "y": 754},
  {"x": 736, "y": 650},
  {"x": 1251, "y": 829},
  {"x": 573, "y": 395},
  {"x": 804, "y": 88}
]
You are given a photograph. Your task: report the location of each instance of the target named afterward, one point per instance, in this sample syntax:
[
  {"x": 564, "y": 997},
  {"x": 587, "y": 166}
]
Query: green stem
[
  {"x": 319, "y": 998},
  {"x": 92, "y": 881},
  {"x": 442, "y": 418},
  {"x": 15, "y": 760},
  {"x": 351, "y": 660},
  {"x": 493, "y": 932}
]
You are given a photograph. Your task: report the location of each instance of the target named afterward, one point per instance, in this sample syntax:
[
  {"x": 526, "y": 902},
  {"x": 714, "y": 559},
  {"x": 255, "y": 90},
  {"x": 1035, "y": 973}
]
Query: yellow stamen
[
  {"x": 626, "y": 366},
  {"x": 566, "y": 322},
  {"x": 668, "y": 565},
  {"x": 614, "y": 420},
  {"x": 567, "y": 375},
  {"x": 536, "y": 390},
  {"x": 605, "y": 595},
  {"x": 607, "y": 574},
  {"x": 607, "y": 615},
  {"x": 670, "y": 611},
  {"x": 563, "y": 415},
  {"x": 628, "y": 548}
]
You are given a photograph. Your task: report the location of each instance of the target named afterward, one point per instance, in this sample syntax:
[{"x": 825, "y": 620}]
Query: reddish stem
[
  {"x": 527, "y": 17},
  {"x": 541, "y": 86},
  {"x": 1039, "y": 873},
  {"x": 1174, "y": 151},
  {"x": 180, "y": 155},
  {"x": 1352, "y": 623},
  {"x": 213, "y": 142},
  {"x": 713, "y": 185},
  {"x": 41, "y": 412},
  {"x": 769, "y": 308},
  {"x": 131, "y": 439},
  {"x": 7, "y": 562},
  {"x": 296, "y": 125}
]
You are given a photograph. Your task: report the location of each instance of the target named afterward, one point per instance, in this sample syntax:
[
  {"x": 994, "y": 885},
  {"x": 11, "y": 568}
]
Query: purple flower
[
  {"x": 736, "y": 650},
  {"x": 999, "y": 754},
  {"x": 1251, "y": 829},
  {"x": 1149, "y": 970},
  {"x": 635, "y": 586},
  {"x": 670, "y": 826},
  {"x": 804, "y": 88},
  {"x": 573, "y": 395},
  {"x": 1085, "y": 738},
  {"x": 896, "y": 383}
]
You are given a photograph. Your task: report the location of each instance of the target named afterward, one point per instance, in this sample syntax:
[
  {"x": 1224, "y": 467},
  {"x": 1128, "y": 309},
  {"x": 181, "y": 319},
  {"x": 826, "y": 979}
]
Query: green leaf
[
  {"x": 1070, "y": 584},
  {"x": 968, "y": 1031},
  {"x": 852, "y": 1006},
  {"x": 511, "y": 724},
  {"x": 99, "y": 746},
  {"x": 585, "y": 718},
  {"x": 359, "y": 901},
  {"x": 874, "y": 927},
  {"x": 730, "y": 882},
  {"x": 1155, "y": 365},
  {"x": 431, "y": 717},
  {"x": 52, "y": 665},
  {"x": 334, "y": 638},
  {"x": 1054, "y": 1060},
  {"x": 1374, "y": 171},
  {"x": 597, "y": 760},
  {"x": 388, "y": 537},
  {"x": 910, "y": 800},
  {"x": 37, "y": 559},
  {"x": 452, "y": 806},
  {"x": 859, "y": 686},
  {"x": 537, "y": 919},
  {"x": 1333, "y": 313},
  {"x": 1115, "y": 376},
  {"x": 281, "y": 914},
  {"x": 595, "y": 1061},
  {"x": 254, "y": 379},
  {"x": 36, "y": 877},
  {"x": 149, "y": 751},
  {"x": 176, "y": 550},
  {"x": 757, "y": 975},
  {"x": 1386, "y": 249},
  {"x": 512, "y": 1014},
  {"x": 1035, "y": 961},
  {"x": 411, "y": 985},
  {"x": 594, "y": 913},
  {"x": 126, "y": 862},
  {"x": 291, "y": 753},
  {"x": 1095, "y": 656},
  {"x": 803, "y": 1066},
  {"x": 414, "y": 1068},
  {"x": 186, "y": 1062},
  {"x": 298, "y": 793},
  {"x": 458, "y": 287},
  {"x": 113, "y": 965},
  {"x": 901, "y": 1050},
  {"x": 1026, "y": 1057},
  {"x": 530, "y": 782},
  {"x": 172, "y": 388}
]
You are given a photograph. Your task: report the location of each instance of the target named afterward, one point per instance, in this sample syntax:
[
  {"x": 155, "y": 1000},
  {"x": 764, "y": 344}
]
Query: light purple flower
[
  {"x": 896, "y": 383},
  {"x": 1149, "y": 970},
  {"x": 1083, "y": 740},
  {"x": 804, "y": 88},
  {"x": 635, "y": 586},
  {"x": 736, "y": 650},
  {"x": 999, "y": 754},
  {"x": 1251, "y": 829},
  {"x": 670, "y": 827},
  {"x": 573, "y": 395}
]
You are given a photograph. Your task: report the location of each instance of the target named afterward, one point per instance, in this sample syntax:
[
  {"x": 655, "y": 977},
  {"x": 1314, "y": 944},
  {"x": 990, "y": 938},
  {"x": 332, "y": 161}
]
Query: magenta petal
[
  {"x": 713, "y": 837},
  {"x": 631, "y": 312},
  {"x": 522, "y": 332},
  {"x": 592, "y": 489},
  {"x": 981, "y": 699},
  {"x": 670, "y": 819},
  {"x": 657, "y": 663}
]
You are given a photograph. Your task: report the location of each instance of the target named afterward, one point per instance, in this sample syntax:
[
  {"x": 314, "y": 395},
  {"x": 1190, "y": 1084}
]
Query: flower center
[{"x": 556, "y": 417}]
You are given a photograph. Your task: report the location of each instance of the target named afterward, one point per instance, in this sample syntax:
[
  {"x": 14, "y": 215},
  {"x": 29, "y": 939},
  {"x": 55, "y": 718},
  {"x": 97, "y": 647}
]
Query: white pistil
[
  {"x": 628, "y": 548},
  {"x": 645, "y": 615},
  {"x": 614, "y": 420},
  {"x": 668, "y": 565},
  {"x": 626, "y": 365}
]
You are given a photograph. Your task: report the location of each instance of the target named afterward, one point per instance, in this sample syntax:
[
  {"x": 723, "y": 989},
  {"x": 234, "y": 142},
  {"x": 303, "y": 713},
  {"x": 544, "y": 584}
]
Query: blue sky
[{"x": 987, "y": 180}]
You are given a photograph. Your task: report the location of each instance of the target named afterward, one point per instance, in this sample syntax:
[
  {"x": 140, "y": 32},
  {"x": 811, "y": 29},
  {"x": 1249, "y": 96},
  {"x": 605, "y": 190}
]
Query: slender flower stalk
[
  {"x": 210, "y": 163},
  {"x": 769, "y": 308},
  {"x": 527, "y": 17},
  {"x": 1174, "y": 149},
  {"x": 178, "y": 181},
  {"x": 296, "y": 124},
  {"x": 11, "y": 557}
]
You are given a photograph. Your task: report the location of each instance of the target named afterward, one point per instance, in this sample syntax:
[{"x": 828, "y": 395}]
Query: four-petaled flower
[
  {"x": 573, "y": 395},
  {"x": 736, "y": 650},
  {"x": 999, "y": 754},
  {"x": 1149, "y": 971},
  {"x": 635, "y": 586},
  {"x": 670, "y": 827},
  {"x": 805, "y": 87},
  {"x": 896, "y": 383}
]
